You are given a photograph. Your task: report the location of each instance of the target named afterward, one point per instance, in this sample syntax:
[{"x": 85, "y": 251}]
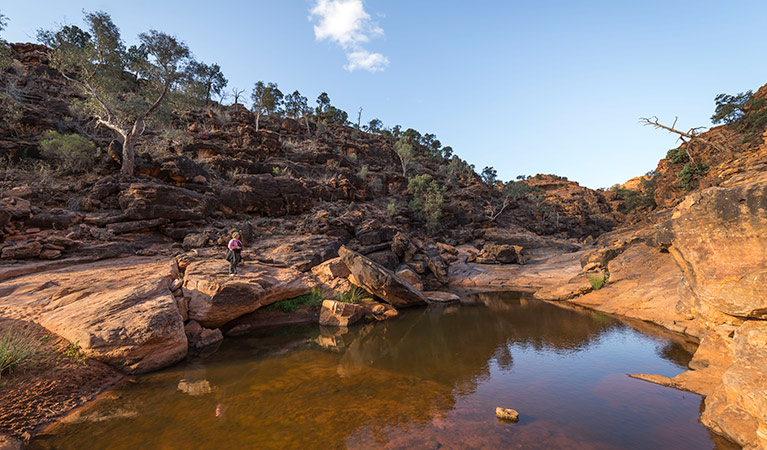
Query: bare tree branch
[{"x": 693, "y": 134}]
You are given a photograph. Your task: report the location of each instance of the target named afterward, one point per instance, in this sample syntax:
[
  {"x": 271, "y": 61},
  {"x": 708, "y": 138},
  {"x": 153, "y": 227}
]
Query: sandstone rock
[
  {"x": 266, "y": 195},
  {"x": 50, "y": 254},
  {"x": 436, "y": 264},
  {"x": 409, "y": 275},
  {"x": 338, "y": 314},
  {"x": 507, "y": 414},
  {"x": 738, "y": 406},
  {"x": 24, "y": 250},
  {"x": 724, "y": 225},
  {"x": 441, "y": 297},
  {"x": 120, "y": 312},
  {"x": 379, "y": 281},
  {"x": 208, "y": 338},
  {"x": 136, "y": 225},
  {"x": 501, "y": 253},
  {"x": 216, "y": 298},
  {"x": 385, "y": 258},
  {"x": 379, "y": 311},
  {"x": 150, "y": 200},
  {"x": 195, "y": 240},
  {"x": 330, "y": 269}
]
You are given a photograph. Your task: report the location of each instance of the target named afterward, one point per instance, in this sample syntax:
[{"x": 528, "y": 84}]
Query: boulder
[
  {"x": 379, "y": 281},
  {"x": 339, "y": 314},
  {"x": 441, "y": 297},
  {"x": 215, "y": 298},
  {"x": 201, "y": 339},
  {"x": 195, "y": 240},
  {"x": 330, "y": 270},
  {"x": 436, "y": 264},
  {"x": 409, "y": 275},
  {"x": 145, "y": 200},
  {"x": 507, "y": 414},
  {"x": 385, "y": 258},
  {"x": 502, "y": 253},
  {"x": 120, "y": 312}
]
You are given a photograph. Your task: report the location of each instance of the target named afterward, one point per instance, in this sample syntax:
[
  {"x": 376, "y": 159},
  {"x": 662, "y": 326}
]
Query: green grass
[
  {"x": 17, "y": 348},
  {"x": 598, "y": 282},
  {"x": 355, "y": 295},
  {"x": 312, "y": 299}
]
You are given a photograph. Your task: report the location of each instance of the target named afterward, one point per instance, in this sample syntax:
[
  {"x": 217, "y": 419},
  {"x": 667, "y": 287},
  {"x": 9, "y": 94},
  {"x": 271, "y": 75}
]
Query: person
[{"x": 233, "y": 255}]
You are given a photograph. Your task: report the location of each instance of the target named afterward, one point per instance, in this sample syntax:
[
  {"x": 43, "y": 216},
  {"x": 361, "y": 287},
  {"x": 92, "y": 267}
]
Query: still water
[{"x": 430, "y": 378}]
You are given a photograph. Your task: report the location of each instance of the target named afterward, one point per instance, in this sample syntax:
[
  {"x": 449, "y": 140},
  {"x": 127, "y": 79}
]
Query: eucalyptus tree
[
  {"x": 267, "y": 99},
  {"x": 124, "y": 88},
  {"x": 205, "y": 80},
  {"x": 5, "y": 51},
  {"x": 296, "y": 106}
]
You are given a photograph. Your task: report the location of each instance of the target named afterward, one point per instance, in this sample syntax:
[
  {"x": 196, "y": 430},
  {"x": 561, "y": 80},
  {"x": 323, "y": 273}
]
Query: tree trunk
[
  {"x": 308, "y": 130},
  {"x": 258, "y": 116},
  {"x": 128, "y": 155}
]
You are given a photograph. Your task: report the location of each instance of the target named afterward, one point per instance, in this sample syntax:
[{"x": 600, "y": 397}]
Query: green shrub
[
  {"x": 71, "y": 152},
  {"x": 427, "y": 200},
  {"x": 355, "y": 295},
  {"x": 690, "y": 173},
  {"x": 74, "y": 352},
  {"x": 391, "y": 209},
  {"x": 518, "y": 190},
  {"x": 364, "y": 171},
  {"x": 17, "y": 348},
  {"x": 677, "y": 156},
  {"x": 312, "y": 299},
  {"x": 598, "y": 282},
  {"x": 353, "y": 157}
]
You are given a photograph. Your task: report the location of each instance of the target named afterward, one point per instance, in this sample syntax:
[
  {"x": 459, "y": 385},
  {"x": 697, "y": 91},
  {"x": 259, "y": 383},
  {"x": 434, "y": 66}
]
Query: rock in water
[
  {"x": 215, "y": 298},
  {"x": 507, "y": 414},
  {"x": 338, "y": 314},
  {"x": 379, "y": 281}
]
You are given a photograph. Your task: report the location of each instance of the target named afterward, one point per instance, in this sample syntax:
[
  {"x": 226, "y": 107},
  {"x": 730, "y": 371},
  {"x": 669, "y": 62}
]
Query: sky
[{"x": 525, "y": 87}]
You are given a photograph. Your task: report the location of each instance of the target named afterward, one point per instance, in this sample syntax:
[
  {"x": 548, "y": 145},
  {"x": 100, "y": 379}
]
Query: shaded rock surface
[
  {"x": 379, "y": 281},
  {"x": 216, "y": 298}
]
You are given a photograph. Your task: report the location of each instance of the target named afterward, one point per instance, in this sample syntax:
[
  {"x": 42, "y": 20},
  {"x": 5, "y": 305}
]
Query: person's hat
[{"x": 235, "y": 234}]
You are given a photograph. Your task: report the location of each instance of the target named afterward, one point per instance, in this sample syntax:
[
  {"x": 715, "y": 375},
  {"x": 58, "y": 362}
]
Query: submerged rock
[{"x": 339, "y": 314}]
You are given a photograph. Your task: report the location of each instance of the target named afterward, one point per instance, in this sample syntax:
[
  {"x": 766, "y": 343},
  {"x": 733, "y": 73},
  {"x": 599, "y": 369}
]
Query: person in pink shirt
[{"x": 233, "y": 255}]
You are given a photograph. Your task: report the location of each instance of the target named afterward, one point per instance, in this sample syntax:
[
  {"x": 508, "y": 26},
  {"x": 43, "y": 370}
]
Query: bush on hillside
[
  {"x": 71, "y": 152},
  {"x": 426, "y": 204}
]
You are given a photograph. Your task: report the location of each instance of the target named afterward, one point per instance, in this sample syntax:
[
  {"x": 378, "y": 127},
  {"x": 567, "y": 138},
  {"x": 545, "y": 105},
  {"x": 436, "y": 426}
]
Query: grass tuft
[
  {"x": 355, "y": 295},
  {"x": 312, "y": 299},
  {"x": 598, "y": 282},
  {"x": 17, "y": 348}
]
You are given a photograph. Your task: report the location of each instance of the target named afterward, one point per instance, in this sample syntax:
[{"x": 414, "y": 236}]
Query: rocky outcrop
[
  {"x": 215, "y": 298},
  {"x": 150, "y": 200},
  {"x": 738, "y": 406},
  {"x": 266, "y": 195},
  {"x": 121, "y": 312},
  {"x": 379, "y": 281},
  {"x": 719, "y": 238}
]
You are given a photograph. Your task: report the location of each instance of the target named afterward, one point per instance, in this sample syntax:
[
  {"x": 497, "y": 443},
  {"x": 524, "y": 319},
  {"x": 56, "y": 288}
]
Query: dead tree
[
  {"x": 495, "y": 209},
  {"x": 692, "y": 135}
]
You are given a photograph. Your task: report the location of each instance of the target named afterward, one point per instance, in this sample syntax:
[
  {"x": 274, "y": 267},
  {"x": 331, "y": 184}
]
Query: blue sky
[{"x": 526, "y": 87}]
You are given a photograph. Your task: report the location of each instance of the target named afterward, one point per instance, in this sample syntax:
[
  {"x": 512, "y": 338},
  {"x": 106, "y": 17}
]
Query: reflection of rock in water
[
  {"x": 332, "y": 337},
  {"x": 195, "y": 379},
  {"x": 199, "y": 387}
]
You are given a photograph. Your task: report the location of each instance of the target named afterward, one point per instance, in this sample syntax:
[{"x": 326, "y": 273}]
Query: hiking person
[{"x": 233, "y": 255}]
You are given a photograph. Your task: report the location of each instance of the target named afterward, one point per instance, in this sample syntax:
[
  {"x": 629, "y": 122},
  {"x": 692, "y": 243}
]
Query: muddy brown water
[{"x": 430, "y": 378}]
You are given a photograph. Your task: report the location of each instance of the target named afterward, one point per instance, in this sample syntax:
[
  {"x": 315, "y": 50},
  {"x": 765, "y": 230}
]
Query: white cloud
[
  {"x": 363, "y": 59},
  {"x": 346, "y": 23}
]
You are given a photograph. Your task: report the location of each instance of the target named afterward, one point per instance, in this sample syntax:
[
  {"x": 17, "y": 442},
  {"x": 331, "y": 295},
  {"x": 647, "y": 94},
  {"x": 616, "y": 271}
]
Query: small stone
[{"x": 505, "y": 414}]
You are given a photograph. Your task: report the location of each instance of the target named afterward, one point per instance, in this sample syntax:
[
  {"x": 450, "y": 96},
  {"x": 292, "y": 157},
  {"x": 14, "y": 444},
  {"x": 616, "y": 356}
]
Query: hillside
[{"x": 208, "y": 169}]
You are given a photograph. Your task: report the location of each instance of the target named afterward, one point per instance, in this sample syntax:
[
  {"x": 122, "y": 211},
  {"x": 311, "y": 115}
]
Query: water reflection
[{"x": 431, "y": 377}]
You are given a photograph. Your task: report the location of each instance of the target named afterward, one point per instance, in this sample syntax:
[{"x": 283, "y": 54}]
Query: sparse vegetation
[
  {"x": 391, "y": 209},
  {"x": 72, "y": 152},
  {"x": 598, "y": 282},
  {"x": 642, "y": 198},
  {"x": 17, "y": 348},
  {"x": 364, "y": 171},
  {"x": 311, "y": 300},
  {"x": 426, "y": 204},
  {"x": 677, "y": 156},
  {"x": 691, "y": 173},
  {"x": 74, "y": 352},
  {"x": 282, "y": 171},
  {"x": 355, "y": 296}
]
